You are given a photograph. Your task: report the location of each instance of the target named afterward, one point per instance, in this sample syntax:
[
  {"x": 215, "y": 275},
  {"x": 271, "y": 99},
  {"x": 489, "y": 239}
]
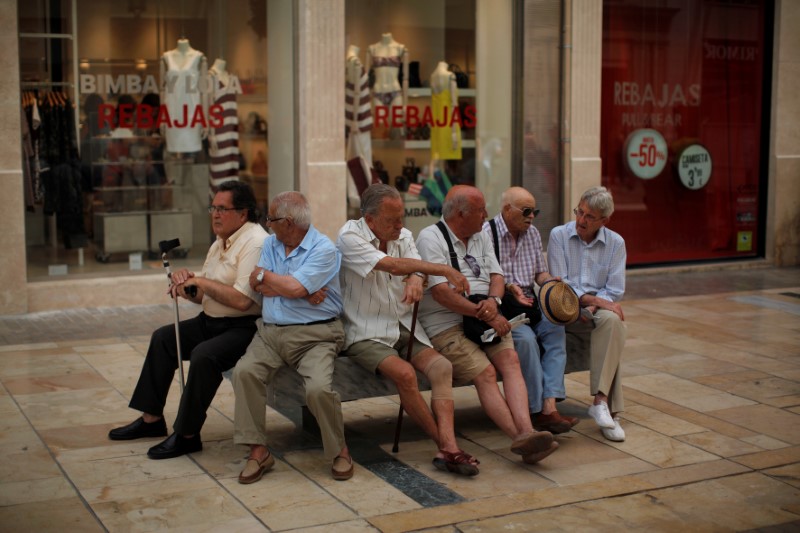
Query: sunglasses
[
  {"x": 527, "y": 211},
  {"x": 473, "y": 265}
]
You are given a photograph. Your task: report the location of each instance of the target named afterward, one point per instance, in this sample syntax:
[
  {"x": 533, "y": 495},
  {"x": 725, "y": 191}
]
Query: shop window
[
  {"x": 410, "y": 109},
  {"x": 167, "y": 100},
  {"x": 682, "y": 126}
]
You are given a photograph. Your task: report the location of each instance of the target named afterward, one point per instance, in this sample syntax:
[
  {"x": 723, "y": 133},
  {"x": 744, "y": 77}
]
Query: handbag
[
  {"x": 473, "y": 327},
  {"x": 462, "y": 79},
  {"x": 511, "y": 307}
]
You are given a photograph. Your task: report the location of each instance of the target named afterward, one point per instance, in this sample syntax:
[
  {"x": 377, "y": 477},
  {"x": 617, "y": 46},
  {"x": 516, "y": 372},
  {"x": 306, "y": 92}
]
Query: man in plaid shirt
[{"x": 520, "y": 255}]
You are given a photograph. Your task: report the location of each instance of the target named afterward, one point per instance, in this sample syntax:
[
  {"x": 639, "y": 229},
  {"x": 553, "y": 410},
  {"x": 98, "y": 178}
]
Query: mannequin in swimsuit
[{"x": 387, "y": 57}]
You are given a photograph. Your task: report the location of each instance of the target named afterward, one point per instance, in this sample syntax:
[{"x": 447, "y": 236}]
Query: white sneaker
[
  {"x": 617, "y": 434},
  {"x": 601, "y": 415}
]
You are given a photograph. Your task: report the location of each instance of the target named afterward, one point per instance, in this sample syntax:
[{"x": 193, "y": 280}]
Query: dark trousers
[{"x": 213, "y": 345}]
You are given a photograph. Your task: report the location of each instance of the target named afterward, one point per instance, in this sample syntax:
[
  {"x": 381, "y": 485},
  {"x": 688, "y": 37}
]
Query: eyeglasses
[
  {"x": 270, "y": 220},
  {"x": 219, "y": 209},
  {"x": 473, "y": 265},
  {"x": 581, "y": 213},
  {"x": 527, "y": 211}
]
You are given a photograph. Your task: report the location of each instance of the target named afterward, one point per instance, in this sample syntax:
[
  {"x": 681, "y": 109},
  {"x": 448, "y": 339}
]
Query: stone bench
[{"x": 286, "y": 393}]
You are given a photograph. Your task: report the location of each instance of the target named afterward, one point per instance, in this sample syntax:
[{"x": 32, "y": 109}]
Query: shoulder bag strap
[
  {"x": 453, "y": 256},
  {"x": 493, "y": 224}
]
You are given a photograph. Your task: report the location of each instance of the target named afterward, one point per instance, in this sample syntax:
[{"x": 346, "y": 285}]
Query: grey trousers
[
  {"x": 311, "y": 351},
  {"x": 608, "y": 335}
]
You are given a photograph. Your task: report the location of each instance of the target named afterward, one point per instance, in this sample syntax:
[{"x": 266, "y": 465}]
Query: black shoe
[
  {"x": 139, "y": 429},
  {"x": 175, "y": 446}
]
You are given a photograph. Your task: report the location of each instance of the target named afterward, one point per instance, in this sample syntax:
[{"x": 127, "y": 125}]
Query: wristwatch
[
  {"x": 260, "y": 276},
  {"x": 497, "y": 299}
]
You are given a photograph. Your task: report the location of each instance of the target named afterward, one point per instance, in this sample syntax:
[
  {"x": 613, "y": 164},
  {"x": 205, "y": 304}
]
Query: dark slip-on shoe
[
  {"x": 139, "y": 429},
  {"x": 175, "y": 446}
]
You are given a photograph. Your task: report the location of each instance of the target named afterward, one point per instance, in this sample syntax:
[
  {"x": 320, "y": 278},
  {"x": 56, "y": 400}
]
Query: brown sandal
[{"x": 459, "y": 462}]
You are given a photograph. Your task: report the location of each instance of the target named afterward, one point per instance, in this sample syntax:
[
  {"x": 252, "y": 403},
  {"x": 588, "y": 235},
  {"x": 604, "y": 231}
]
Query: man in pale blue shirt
[
  {"x": 298, "y": 276},
  {"x": 591, "y": 258}
]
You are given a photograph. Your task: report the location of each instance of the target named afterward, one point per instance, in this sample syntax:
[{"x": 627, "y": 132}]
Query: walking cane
[
  {"x": 396, "y": 446},
  {"x": 166, "y": 246}
]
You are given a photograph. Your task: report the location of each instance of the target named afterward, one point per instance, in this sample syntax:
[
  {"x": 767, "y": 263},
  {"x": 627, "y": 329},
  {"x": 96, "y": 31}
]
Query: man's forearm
[
  {"x": 224, "y": 294},
  {"x": 401, "y": 266}
]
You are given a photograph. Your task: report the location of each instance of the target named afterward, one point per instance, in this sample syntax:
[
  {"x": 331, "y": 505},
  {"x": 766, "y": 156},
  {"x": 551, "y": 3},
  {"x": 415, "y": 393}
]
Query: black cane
[
  {"x": 396, "y": 446},
  {"x": 166, "y": 246}
]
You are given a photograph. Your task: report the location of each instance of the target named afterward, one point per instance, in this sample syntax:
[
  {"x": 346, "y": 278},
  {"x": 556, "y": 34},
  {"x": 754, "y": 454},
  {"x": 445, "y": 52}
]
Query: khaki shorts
[
  {"x": 369, "y": 354},
  {"x": 468, "y": 359}
]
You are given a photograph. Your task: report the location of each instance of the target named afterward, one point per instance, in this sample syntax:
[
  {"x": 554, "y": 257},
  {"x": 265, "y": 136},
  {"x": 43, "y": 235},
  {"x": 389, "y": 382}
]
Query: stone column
[
  {"x": 584, "y": 101},
  {"x": 320, "y": 56},
  {"x": 13, "y": 291},
  {"x": 783, "y": 203},
  {"x": 493, "y": 64}
]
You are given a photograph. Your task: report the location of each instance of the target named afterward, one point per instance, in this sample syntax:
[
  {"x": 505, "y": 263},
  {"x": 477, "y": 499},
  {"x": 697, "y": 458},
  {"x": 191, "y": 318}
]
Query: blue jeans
[{"x": 543, "y": 373}]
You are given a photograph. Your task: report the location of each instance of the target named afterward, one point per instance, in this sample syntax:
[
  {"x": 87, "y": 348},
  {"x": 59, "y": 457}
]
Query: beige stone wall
[
  {"x": 783, "y": 208},
  {"x": 13, "y": 294}
]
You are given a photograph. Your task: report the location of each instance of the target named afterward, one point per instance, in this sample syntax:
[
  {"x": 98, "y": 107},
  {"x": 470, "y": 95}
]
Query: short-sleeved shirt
[
  {"x": 373, "y": 306},
  {"x": 232, "y": 264},
  {"x": 434, "y": 317},
  {"x": 596, "y": 268},
  {"x": 314, "y": 264},
  {"x": 521, "y": 258}
]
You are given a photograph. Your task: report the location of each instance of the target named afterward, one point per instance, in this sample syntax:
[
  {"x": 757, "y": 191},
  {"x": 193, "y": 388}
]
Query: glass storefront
[
  {"x": 136, "y": 111},
  {"x": 410, "y": 109},
  {"x": 683, "y": 118}
]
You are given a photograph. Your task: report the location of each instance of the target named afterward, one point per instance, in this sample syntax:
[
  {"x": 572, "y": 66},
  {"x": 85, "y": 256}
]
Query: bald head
[
  {"x": 516, "y": 202},
  {"x": 464, "y": 210}
]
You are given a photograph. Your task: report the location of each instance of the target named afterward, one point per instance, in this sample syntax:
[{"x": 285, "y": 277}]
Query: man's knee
[
  {"x": 487, "y": 376},
  {"x": 440, "y": 374},
  {"x": 400, "y": 372}
]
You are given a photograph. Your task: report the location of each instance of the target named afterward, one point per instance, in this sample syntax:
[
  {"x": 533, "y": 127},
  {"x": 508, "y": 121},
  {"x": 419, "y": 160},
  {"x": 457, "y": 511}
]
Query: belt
[{"x": 315, "y": 323}]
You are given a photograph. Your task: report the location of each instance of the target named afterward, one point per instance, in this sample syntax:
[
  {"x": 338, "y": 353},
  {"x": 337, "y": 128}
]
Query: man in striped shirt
[
  {"x": 382, "y": 277},
  {"x": 591, "y": 258}
]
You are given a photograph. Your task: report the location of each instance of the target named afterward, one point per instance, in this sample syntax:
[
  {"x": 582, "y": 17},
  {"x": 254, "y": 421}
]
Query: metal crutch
[
  {"x": 396, "y": 446},
  {"x": 165, "y": 247}
]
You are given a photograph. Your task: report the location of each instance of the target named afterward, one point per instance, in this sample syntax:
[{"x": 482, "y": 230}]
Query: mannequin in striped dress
[{"x": 223, "y": 146}]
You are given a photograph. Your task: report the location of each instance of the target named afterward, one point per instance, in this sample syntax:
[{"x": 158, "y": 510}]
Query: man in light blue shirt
[
  {"x": 298, "y": 276},
  {"x": 591, "y": 258}
]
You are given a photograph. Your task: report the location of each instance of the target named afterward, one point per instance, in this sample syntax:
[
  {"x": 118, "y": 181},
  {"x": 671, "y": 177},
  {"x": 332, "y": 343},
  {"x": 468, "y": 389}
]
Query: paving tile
[
  {"x": 719, "y": 444},
  {"x": 770, "y": 458},
  {"x": 58, "y": 515},
  {"x": 764, "y": 419}
]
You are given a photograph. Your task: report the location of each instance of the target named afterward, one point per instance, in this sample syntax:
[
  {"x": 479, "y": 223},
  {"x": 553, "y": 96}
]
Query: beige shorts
[
  {"x": 369, "y": 354},
  {"x": 468, "y": 359}
]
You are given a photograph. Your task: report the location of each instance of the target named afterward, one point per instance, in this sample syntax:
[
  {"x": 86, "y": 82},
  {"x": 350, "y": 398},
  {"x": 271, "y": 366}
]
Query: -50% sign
[{"x": 645, "y": 153}]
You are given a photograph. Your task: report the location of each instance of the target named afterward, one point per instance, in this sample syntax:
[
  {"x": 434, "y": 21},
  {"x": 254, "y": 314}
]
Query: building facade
[{"x": 684, "y": 109}]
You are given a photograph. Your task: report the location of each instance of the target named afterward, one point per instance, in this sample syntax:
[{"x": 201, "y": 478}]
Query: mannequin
[
  {"x": 358, "y": 119},
  {"x": 387, "y": 57},
  {"x": 223, "y": 140},
  {"x": 446, "y": 139},
  {"x": 183, "y": 72}
]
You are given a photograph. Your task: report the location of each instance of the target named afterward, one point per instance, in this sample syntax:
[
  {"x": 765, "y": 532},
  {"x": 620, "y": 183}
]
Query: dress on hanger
[
  {"x": 442, "y": 145},
  {"x": 183, "y": 92}
]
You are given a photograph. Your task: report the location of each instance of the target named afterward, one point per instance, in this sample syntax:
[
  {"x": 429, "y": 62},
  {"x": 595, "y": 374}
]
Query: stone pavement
[{"x": 712, "y": 384}]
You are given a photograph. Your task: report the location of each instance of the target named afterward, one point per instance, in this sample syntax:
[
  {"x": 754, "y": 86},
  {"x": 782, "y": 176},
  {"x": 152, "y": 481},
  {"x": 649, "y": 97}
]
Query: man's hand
[
  {"x": 499, "y": 324},
  {"x": 413, "y": 290},
  {"x": 318, "y": 297},
  {"x": 253, "y": 281},
  {"x": 487, "y": 310},
  {"x": 519, "y": 295},
  {"x": 178, "y": 279},
  {"x": 457, "y": 280}
]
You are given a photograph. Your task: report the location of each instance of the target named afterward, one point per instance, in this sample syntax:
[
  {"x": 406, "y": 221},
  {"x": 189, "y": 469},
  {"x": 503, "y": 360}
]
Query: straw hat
[{"x": 559, "y": 302}]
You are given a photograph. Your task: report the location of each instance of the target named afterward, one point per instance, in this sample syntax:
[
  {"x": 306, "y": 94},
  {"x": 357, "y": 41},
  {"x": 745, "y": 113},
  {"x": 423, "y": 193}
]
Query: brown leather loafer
[
  {"x": 554, "y": 423},
  {"x": 342, "y": 468},
  {"x": 254, "y": 470},
  {"x": 533, "y": 443}
]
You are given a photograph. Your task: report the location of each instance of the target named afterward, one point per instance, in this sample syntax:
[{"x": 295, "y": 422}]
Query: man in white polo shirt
[{"x": 382, "y": 277}]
